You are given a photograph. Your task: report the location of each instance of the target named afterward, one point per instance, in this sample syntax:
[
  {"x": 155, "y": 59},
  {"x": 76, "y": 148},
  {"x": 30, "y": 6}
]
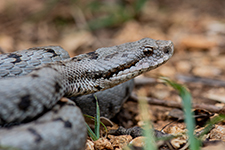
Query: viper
[{"x": 33, "y": 99}]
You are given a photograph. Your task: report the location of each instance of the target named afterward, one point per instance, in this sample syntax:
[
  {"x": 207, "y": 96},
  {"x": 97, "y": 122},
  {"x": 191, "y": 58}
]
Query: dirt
[{"x": 197, "y": 29}]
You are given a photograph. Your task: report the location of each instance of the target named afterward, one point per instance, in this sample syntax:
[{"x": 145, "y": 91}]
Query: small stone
[
  {"x": 89, "y": 145},
  {"x": 206, "y": 71},
  {"x": 178, "y": 142},
  {"x": 102, "y": 144},
  {"x": 119, "y": 141},
  {"x": 138, "y": 141},
  {"x": 218, "y": 132},
  {"x": 175, "y": 129},
  {"x": 217, "y": 94},
  {"x": 198, "y": 42}
]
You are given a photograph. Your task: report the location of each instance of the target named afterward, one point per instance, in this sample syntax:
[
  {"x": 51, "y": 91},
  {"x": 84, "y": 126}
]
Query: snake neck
[{"x": 78, "y": 79}]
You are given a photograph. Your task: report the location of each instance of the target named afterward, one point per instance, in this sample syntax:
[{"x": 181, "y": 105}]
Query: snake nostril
[{"x": 166, "y": 50}]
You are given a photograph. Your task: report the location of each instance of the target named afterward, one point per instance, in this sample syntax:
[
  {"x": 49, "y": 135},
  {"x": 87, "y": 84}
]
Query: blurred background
[
  {"x": 197, "y": 29},
  {"x": 79, "y": 25}
]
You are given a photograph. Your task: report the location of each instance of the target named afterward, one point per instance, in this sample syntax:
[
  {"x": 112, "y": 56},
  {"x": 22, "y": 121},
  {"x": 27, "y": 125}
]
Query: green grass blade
[
  {"x": 97, "y": 122},
  {"x": 139, "y": 5},
  {"x": 148, "y": 132},
  {"x": 128, "y": 147},
  {"x": 91, "y": 117},
  {"x": 187, "y": 105},
  {"x": 211, "y": 124},
  {"x": 91, "y": 133}
]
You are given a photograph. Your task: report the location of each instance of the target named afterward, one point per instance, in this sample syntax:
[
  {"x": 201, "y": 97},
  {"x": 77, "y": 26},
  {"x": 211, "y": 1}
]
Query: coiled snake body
[{"x": 25, "y": 98}]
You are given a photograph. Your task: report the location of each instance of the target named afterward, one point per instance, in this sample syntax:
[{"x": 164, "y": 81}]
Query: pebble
[
  {"x": 206, "y": 71},
  {"x": 218, "y": 132},
  {"x": 120, "y": 141},
  {"x": 102, "y": 144}
]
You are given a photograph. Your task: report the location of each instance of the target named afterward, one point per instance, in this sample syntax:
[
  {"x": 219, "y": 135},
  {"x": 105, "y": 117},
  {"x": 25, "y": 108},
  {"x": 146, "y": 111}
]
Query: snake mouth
[
  {"x": 112, "y": 72},
  {"x": 116, "y": 71}
]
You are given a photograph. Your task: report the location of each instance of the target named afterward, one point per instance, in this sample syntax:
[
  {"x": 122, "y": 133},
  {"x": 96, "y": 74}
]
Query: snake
[{"x": 33, "y": 98}]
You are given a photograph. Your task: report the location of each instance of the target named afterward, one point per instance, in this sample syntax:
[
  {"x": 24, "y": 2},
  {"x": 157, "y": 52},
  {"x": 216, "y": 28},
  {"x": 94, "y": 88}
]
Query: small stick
[
  {"x": 173, "y": 104},
  {"x": 204, "y": 81}
]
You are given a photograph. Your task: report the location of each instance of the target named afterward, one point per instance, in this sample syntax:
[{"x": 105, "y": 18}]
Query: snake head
[
  {"x": 141, "y": 56},
  {"x": 155, "y": 53},
  {"x": 110, "y": 66}
]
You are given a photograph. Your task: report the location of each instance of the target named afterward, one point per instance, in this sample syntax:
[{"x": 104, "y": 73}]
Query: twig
[
  {"x": 173, "y": 104},
  {"x": 204, "y": 81}
]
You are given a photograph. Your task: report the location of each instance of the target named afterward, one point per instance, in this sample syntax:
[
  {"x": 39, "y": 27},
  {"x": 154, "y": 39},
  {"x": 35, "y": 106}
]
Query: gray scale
[{"x": 29, "y": 60}]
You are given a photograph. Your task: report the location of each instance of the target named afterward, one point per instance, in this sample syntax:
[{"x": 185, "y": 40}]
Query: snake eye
[{"x": 148, "y": 51}]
